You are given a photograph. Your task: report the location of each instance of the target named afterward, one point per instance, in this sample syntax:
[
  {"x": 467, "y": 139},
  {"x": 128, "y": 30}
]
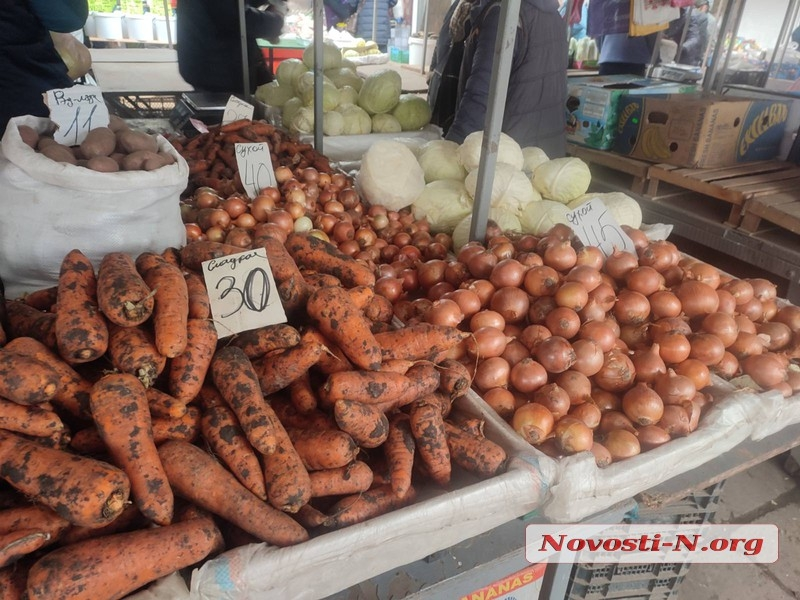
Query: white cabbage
[
  {"x": 290, "y": 107},
  {"x": 439, "y": 160},
  {"x": 624, "y": 209},
  {"x": 380, "y": 91},
  {"x": 274, "y": 94},
  {"x": 348, "y": 95},
  {"x": 511, "y": 189},
  {"x": 504, "y": 219},
  {"x": 532, "y": 157},
  {"x": 562, "y": 179},
  {"x": 538, "y": 218},
  {"x": 444, "y": 203},
  {"x": 385, "y": 123},
  {"x": 508, "y": 151},
  {"x": 390, "y": 175},
  {"x": 356, "y": 119},
  {"x": 332, "y": 123},
  {"x": 303, "y": 120},
  {"x": 412, "y": 111},
  {"x": 341, "y": 77},
  {"x": 330, "y": 96},
  {"x": 331, "y": 56},
  {"x": 289, "y": 70}
]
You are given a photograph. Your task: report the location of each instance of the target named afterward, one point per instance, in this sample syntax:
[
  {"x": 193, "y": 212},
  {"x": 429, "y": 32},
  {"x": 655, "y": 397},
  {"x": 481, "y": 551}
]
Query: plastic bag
[{"x": 50, "y": 208}]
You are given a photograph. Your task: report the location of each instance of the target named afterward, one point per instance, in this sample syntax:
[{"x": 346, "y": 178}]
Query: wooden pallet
[
  {"x": 738, "y": 185},
  {"x": 780, "y": 209},
  {"x": 638, "y": 169}
]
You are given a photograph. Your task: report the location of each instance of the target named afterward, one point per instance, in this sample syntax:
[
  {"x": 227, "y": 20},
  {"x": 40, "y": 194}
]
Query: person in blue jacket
[
  {"x": 383, "y": 28},
  {"x": 29, "y": 63}
]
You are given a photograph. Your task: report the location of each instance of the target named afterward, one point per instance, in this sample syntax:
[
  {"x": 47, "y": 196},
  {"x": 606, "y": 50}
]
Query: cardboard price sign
[
  {"x": 242, "y": 292},
  {"x": 595, "y": 226},
  {"x": 255, "y": 167},
  {"x": 76, "y": 111},
  {"x": 237, "y": 109}
]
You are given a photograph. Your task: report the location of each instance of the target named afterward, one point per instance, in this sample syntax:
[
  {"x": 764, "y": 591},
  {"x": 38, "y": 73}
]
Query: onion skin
[
  {"x": 617, "y": 373},
  {"x": 675, "y": 421},
  {"x": 613, "y": 420},
  {"x": 765, "y": 369},
  {"x": 622, "y": 444},
  {"x": 588, "y": 413},
  {"x": 533, "y": 422},
  {"x": 554, "y": 398},
  {"x": 697, "y": 298},
  {"x": 602, "y": 457},
  {"x": 652, "y": 436},
  {"x": 572, "y": 435},
  {"x": 642, "y": 405},
  {"x": 555, "y": 354},
  {"x": 674, "y": 388},
  {"x": 502, "y": 402},
  {"x": 648, "y": 364}
]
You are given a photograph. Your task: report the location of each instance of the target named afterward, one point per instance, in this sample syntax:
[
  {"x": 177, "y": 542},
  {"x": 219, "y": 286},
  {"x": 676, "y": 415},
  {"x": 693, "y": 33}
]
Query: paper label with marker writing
[
  {"x": 594, "y": 225},
  {"x": 255, "y": 167},
  {"x": 76, "y": 111},
  {"x": 236, "y": 109},
  {"x": 242, "y": 292}
]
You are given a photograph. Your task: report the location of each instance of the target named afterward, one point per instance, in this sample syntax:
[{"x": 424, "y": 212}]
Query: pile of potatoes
[{"x": 105, "y": 149}]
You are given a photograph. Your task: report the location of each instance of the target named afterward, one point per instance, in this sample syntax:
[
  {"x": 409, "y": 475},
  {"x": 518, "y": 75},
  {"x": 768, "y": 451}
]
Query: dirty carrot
[
  {"x": 195, "y": 254},
  {"x": 16, "y": 544},
  {"x": 129, "y": 519},
  {"x": 439, "y": 400},
  {"x": 313, "y": 253},
  {"x": 172, "y": 255},
  {"x": 280, "y": 368},
  {"x": 80, "y": 328},
  {"x": 30, "y": 420},
  {"x": 309, "y": 517},
  {"x": 34, "y": 517},
  {"x": 120, "y": 411},
  {"x": 399, "y": 453},
  {"x": 379, "y": 309},
  {"x": 197, "y": 477},
  {"x": 185, "y": 428},
  {"x": 43, "y": 298},
  {"x": 25, "y": 379},
  {"x": 317, "y": 280},
  {"x": 365, "y": 423},
  {"x": 427, "y": 427},
  {"x": 293, "y": 289},
  {"x": 111, "y": 567},
  {"x": 332, "y": 359},
  {"x": 360, "y": 507},
  {"x": 73, "y": 390},
  {"x": 288, "y": 414},
  {"x": 26, "y": 321},
  {"x": 133, "y": 350},
  {"x": 171, "y": 309},
  {"x": 14, "y": 580},
  {"x": 228, "y": 442},
  {"x": 285, "y": 475},
  {"x": 236, "y": 379},
  {"x": 122, "y": 295},
  {"x": 351, "y": 479},
  {"x": 454, "y": 378},
  {"x": 82, "y": 490},
  {"x": 302, "y": 393},
  {"x": 397, "y": 365},
  {"x": 420, "y": 341},
  {"x": 164, "y": 406},
  {"x": 345, "y": 325},
  {"x": 325, "y": 449},
  {"x": 361, "y": 295},
  {"x": 261, "y": 341},
  {"x": 474, "y": 453},
  {"x": 199, "y": 304},
  {"x": 188, "y": 370}
]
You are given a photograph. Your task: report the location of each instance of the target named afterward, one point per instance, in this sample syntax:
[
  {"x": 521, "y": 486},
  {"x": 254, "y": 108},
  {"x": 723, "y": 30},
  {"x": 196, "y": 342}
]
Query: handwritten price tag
[
  {"x": 236, "y": 109},
  {"x": 76, "y": 111},
  {"x": 242, "y": 292},
  {"x": 595, "y": 226},
  {"x": 255, "y": 167}
]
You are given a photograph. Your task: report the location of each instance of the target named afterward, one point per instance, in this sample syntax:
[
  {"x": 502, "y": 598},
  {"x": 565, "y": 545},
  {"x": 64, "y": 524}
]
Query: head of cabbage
[
  {"x": 289, "y": 70},
  {"x": 439, "y": 160},
  {"x": 274, "y": 94},
  {"x": 380, "y": 91},
  {"x": 412, "y": 111},
  {"x": 348, "y": 95},
  {"x": 443, "y": 203},
  {"x": 532, "y": 157},
  {"x": 390, "y": 175},
  {"x": 538, "y": 218},
  {"x": 511, "y": 189},
  {"x": 562, "y": 179},
  {"x": 289, "y": 109},
  {"x": 624, "y": 209},
  {"x": 385, "y": 123},
  {"x": 341, "y": 77},
  {"x": 330, "y": 96},
  {"x": 508, "y": 151},
  {"x": 303, "y": 120},
  {"x": 503, "y": 219},
  {"x": 332, "y": 123},
  {"x": 356, "y": 120},
  {"x": 331, "y": 56}
]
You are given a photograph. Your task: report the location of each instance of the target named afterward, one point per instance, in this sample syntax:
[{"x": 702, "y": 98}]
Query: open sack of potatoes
[{"x": 53, "y": 202}]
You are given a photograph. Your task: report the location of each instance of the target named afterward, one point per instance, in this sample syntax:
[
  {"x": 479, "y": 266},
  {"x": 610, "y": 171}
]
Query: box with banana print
[{"x": 697, "y": 131}]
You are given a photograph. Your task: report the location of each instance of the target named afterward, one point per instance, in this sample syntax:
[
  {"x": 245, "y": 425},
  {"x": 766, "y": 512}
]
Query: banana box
[
  {"x": 593, "y": 105},
  {"x": 700, "y": 131}
]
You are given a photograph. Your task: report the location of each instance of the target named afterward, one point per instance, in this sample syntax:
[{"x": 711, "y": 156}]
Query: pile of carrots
[{"x": 127, "y": 428}]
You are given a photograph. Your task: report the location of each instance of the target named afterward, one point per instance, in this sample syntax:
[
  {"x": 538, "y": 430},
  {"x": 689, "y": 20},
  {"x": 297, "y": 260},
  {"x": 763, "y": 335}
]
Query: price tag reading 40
[
  {"x": 242, "y": 292},
  {"x": 255, "y": 167},
  {"x": 595, "y": 226},
  {"x": 76, "y": 111}
]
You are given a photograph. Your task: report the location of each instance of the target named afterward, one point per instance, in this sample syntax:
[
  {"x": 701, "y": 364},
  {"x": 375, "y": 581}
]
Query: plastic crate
[
  {"x": 141, "y": 106},
  {"x": 657, "y": 581}
]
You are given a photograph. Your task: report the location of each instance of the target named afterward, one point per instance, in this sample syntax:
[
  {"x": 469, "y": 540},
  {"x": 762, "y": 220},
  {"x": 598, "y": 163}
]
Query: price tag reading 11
[
  {"x": 242, "y": 292},
  {"x": 76, "y": 111},
  {"x": 255, "y": 167},
  {"x": 595, "y": 226}
]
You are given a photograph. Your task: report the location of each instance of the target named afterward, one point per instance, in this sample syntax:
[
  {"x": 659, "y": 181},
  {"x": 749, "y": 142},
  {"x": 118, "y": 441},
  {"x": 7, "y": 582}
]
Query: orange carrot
[
  {"x": 199, "y": 303},
  {"x": 129, "y": 519},
  {"x": 164, "y": 406},
  {"x": 399, "y": 452},
  {"x": 427, "y": 427},
  {"x": 120, "y": 411},
  {"x": 455, "y": 378},
  {"x": 209, "y": 396},
  {"x": 122, "y": 295},
  {"x": 351, "y": 479},
  {"x": 30, "y": 420},
  {"x": 280, "y": 368},
  {"x": 236, "y": 379},
  {"x": 185, "y": 428},
  {"x": 308, "y": 516},
  {"x": 292, "y": 287},
  {"x": 226, "y": 439},
  {"x": 197, "y": 477},
  {"x": 346, "y": 326},
  {"x": 133, "y": 350},
  {"x": 317, "y": 280},
  {"x": 365, "y": 423},
  {"x": 422, "y": 341},
  {"x": 16, "y": 544},
  {"x": 82, "y": 490},
  {"x": 80, "y": 328},
  {"x": 332, "y": 359},
  {"x": 195, "y": 254},
  {"x": 188, "y": 370},
  {"x": 35, "y": 518},
  {"x": 286, "y": 477},
  {"x": 361, "y": 296},
  {"x": 360, "y": 507},
  {"x": 26, "y": 321},
  {"x": 113, "y": 566},
  {"x": 379, "y": 309},
  {"x": 261, "y": 341},
  {"x": 14, "y": 580},
  {"x": 288, "y": 414},
  {"x": 325, "y": 449},
  {"x": 439, "y": 400},
  {"x": 26, "y": 380},
  {"x": 302, "y": 393},
  {"x": 313, "y": 253},
  {"x": 42, "y": 299},
  {"x": 397, "y": 365},
  {"x": 474, "y": 453},
  {"x": 172, "y": 255},
  {"x": 171, "y": 309}
]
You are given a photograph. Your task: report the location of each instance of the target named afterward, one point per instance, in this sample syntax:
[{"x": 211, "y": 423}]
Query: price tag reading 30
[
  {"x": 76, "y": 111},
  {"x": 242, "y": 292},
  {"x": 595, "y": 226},
  {"x": 237, "y": 109},
  {"x": 255, "y": 167}
]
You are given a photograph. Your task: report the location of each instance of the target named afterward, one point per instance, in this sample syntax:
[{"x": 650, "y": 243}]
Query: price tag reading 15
[
  {"x": 242, "y": 292},
  {"x": 595, "y": 226},
  {"x": 255, "y": 167}
]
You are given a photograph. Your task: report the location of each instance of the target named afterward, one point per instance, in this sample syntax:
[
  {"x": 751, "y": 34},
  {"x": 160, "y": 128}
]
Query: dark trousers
[{"x": 622, "y": 68}]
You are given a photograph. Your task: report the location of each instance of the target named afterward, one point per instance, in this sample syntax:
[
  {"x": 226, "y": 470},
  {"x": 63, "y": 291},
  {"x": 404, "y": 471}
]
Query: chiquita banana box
[{"x": 700, "y": 131}]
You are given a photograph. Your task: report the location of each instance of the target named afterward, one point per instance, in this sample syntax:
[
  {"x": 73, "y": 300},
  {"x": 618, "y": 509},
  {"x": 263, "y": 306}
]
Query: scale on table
[
  {"x": 678, "y": 72},
  {"x": 207, "y": 107}
]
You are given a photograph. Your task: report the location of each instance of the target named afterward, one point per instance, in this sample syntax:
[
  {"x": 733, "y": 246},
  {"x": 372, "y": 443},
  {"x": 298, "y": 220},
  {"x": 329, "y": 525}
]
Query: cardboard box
[
  {"x": 701, "y": 131},
  {"x": 593, "y": 105}
]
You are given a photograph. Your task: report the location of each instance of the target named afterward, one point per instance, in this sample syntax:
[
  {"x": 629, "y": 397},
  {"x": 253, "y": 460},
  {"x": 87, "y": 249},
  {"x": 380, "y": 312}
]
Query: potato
[
  {"x": 59, "y": 153},
  {"x": 44, "y": 142},
  {"x": 116, "y": 123},
  {"x": 118, "y": 157},
  {"x": 131, "y": 141},
  {"x": 103, "y": 164},
  {"x": 167, "y": 158},
  {"x": 151, "y": 163},
  {"x": 141, "y": 160},
  {"x": 29, "y": 135},
  {"x": 100, "y": 141}
]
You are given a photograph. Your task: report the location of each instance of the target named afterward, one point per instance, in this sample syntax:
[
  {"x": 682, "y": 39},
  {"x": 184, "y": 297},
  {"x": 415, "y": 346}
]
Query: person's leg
[{"x": 622, "y": 68}]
